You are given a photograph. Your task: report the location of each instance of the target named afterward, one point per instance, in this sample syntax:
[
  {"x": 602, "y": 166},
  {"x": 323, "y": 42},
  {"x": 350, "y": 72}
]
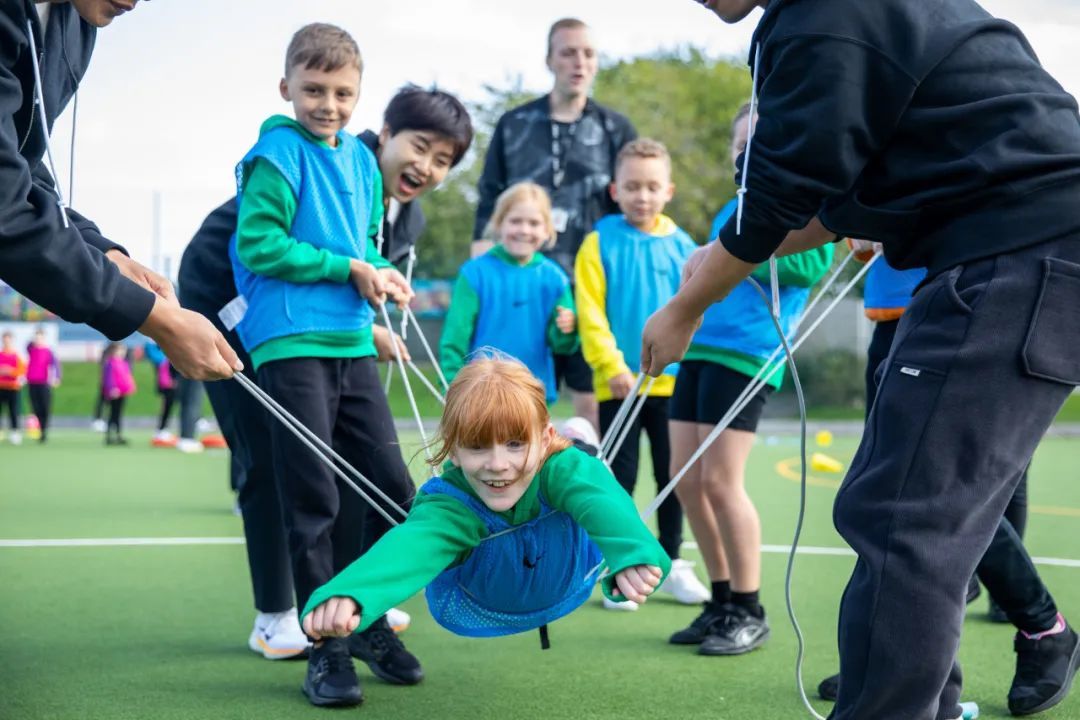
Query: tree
[{"x": 682, "y": 98}]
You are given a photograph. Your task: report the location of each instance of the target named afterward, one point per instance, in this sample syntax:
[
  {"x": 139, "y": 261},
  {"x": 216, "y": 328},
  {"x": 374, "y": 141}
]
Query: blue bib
[{"x": 519, "y": 578}]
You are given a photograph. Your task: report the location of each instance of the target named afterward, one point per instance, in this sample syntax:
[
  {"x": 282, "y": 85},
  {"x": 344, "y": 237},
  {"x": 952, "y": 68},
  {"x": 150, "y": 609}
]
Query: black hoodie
[
  {"x": 206, "y": 276},
  {"x": 62, "y": 269},
  {"x": 925, "y": 124}
]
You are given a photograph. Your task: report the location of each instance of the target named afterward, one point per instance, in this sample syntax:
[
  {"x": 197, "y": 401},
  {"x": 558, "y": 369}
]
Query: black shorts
[
  {"x": 574, "y": 371},
  {"x": 704, "y": 391}
]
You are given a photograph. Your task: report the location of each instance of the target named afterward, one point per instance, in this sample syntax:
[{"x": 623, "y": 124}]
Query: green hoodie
[{"x": 441, "y": 532}]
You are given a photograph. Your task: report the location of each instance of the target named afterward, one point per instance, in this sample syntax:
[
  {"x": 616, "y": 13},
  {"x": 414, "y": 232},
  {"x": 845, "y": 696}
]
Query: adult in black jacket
[
  {"x": 929, "y": 126},
  {"x": 426, "y": 133},
  {"x": 566, "y": 143},
  {"x": 48, "y": 252}
]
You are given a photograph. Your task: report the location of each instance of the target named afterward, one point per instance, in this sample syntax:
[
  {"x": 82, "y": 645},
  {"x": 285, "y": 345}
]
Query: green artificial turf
[{"x": 159, "y": 632}]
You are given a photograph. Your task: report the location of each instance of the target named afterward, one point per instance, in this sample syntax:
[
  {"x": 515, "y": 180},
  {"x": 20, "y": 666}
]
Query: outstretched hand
[
  {"x": 637, "y": 582},
  {"x": 337, "y": 617}
]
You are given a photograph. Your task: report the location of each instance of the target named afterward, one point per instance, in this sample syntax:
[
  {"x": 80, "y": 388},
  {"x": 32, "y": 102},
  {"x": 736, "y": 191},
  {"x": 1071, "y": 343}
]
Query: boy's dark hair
[
  {"x": 563, "y": 24},
  {"x": 321, "y": 46},
  {"x": 414, "y": 108}
]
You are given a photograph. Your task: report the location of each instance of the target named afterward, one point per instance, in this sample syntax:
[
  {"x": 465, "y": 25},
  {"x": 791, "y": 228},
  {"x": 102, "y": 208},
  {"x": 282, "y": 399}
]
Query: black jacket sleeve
[
  {"x": 827, "y": 107},
  {"x": 56, "y": 267},
  {"x": 492, "y": 181}
]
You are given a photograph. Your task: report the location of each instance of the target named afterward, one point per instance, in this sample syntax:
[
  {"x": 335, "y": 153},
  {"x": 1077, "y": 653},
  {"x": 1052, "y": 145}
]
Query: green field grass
[{"x": 159, "y": 632}]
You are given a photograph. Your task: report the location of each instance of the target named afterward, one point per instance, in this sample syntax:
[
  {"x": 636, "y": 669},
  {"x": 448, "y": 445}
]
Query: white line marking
[{"x": 181, "y": 541}]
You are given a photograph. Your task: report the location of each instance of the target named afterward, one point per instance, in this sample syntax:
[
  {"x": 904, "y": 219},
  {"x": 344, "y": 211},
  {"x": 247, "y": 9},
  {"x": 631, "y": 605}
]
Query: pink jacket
[
  {"x": 43, "y": 368},
  {"x": 119, "y": 382}
]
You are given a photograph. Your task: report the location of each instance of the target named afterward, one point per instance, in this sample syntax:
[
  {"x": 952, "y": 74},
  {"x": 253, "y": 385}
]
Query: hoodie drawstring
[{"x": 39, "y": 100}]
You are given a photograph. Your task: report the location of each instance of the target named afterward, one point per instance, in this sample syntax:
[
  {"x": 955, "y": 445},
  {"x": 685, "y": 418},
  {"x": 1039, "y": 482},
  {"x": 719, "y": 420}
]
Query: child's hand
[
  {"x": 383, "y": 347},
  {"x": 621, "y": 385},
  {"x": 397, "y": 287},
  {"x": 337, "y": 617},
  {"x": 637, "y": 583},
  {"x": 565, "y": 320},
  {"x": 368, "y": 282}
]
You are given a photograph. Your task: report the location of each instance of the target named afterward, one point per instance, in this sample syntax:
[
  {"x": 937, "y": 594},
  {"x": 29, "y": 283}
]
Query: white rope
[
  {"x": 408, "y": 385},
  {"x": 631, "y": 418},
  {"x": 624, "y": 409},
  {"x": 427, "y": 383},
  {"x": 320, "y": 448},
  {"x": 427, "y": 348}
]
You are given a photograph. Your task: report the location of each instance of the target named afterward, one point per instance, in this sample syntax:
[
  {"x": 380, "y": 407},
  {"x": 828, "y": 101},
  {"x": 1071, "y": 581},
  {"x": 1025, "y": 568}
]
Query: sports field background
[{"x": 159, "y": 632}]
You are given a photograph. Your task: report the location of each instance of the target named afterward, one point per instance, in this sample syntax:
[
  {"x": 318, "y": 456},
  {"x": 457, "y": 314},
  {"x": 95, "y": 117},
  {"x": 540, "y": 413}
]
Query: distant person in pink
[
  {"x": 118, "y": 383},
  {"x": 12, "y": 370},
  {"x": 42, "y": 375}
]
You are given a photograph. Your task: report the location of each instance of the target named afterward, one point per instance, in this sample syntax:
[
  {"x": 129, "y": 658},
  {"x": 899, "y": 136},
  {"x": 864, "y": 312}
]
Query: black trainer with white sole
[{"x": 738, "y": 632}]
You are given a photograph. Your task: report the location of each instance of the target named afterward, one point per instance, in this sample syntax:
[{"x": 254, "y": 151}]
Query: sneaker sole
[
  {"x": 1074, "y": 662},
  {"x": 258, "y": 645},
  {"x": 331, "y": 702},
  {"x": 758, "y": 642},
  {"x": 387, "y": 677}
]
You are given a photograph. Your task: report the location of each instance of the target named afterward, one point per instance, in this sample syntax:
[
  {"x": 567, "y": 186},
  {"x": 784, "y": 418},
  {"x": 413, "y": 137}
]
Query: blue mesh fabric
[{"x": 519, "y": 578}]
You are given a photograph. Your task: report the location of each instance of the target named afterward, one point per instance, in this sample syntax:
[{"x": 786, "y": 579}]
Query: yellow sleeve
[{"x": 597, "y": 341}]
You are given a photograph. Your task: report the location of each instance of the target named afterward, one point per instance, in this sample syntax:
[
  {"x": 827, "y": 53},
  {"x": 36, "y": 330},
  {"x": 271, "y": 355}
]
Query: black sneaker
[
  {"x": 1044, "y": 671},
  {"x": 382, "y": 650},
  {"x": 702, "y": 626},
  {"x": 829, "y": 688},
  {"x": 331, "y": 678},
  {"x": 737, "y": 632}
]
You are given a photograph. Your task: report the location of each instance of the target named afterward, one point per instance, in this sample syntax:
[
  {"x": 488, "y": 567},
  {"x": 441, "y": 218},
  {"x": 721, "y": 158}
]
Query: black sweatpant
[
  {"x": 41, "y": 402},
  {"x": 116, "y": 416},
  {"x": 168, "y": 396},
  {"x": 10, "y": 400},
  {"x": 1006, "y": 568},
  {"x": 343, "y": 403},
  {"x": 654, "y": 420},
  {"x": 982, "y": 362}
]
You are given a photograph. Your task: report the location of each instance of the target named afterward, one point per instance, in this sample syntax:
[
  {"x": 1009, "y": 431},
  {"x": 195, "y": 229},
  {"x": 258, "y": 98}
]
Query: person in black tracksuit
[
  {"x": 48, "y": 252},
  {"x": 929, "y": 126},
  {"x": 426, "y": 133}
]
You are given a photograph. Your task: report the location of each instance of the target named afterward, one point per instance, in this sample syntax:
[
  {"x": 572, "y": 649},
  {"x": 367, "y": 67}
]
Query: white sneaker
[
  {"x": 578, "y": 428},
  {"x": 398, "y": 619},
  {"x": 684, "y": 584},
  {"x": 202, "y": 425},
  {"x": 164, "y": 436},
  {"x": 277, "y": 636},
  {"x": 16, "y": 438},
  {"x": 625, "y": 605},
  {"x": 187, "y": 445},
  {"x": 99, "y": 425}
]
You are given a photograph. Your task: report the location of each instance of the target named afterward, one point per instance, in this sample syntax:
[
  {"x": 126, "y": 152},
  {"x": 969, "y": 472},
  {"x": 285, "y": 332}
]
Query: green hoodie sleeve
[
  {"x": 263, "y": 242},
  {"x": 458, "y": 328},
  {"x": 439, "y": 532},
  {"x": 584, "y": 488},
  {"x": 562, "y": 343},
  {"x": 803, "y": 269}
]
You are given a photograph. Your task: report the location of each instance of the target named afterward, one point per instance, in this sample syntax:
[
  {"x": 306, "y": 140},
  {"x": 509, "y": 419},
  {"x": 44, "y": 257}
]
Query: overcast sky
[{"x": 178, "y": 88}]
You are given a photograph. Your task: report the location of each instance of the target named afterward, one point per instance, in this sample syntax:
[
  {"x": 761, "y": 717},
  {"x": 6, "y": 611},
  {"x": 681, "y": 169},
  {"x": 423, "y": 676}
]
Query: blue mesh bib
[{"x": 519, "y": 578}]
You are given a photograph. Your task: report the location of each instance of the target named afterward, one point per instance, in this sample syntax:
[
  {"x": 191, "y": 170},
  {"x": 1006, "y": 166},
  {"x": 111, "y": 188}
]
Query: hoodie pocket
[{"x": 1052, "y": 347}]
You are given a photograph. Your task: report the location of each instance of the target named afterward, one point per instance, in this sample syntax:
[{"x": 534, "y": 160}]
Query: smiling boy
[{"x": 304, "y": 258}]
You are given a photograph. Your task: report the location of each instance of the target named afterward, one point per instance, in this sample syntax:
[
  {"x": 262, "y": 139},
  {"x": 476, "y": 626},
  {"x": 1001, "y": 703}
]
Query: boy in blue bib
[{"x": 310, "y": 200}]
